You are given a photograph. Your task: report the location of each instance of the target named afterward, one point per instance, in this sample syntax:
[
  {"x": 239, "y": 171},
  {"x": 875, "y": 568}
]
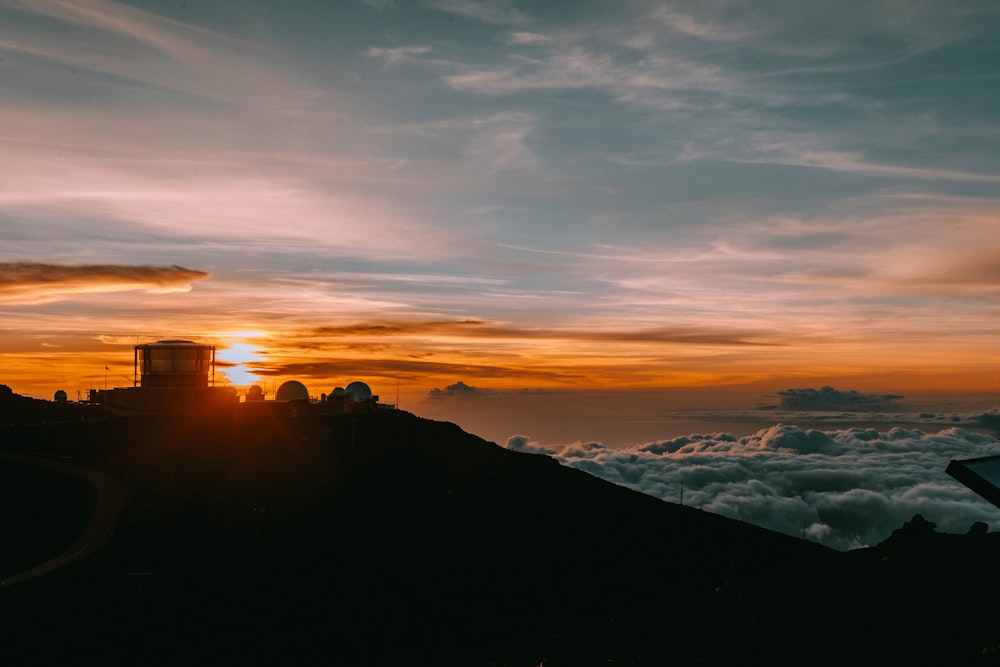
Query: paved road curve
[{"x": 107, "y": 508}]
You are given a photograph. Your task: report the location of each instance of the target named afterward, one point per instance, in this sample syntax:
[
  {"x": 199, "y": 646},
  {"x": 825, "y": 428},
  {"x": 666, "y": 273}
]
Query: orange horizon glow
[
  {"x": 736, "y": 200},
  {"x": 421, "y": 356}
]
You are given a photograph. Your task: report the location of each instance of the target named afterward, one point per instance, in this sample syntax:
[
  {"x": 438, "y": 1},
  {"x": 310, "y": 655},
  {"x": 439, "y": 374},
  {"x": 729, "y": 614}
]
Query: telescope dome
[
  {"x": 358, "y": 391},
  {"x": 293, "y": 390}
]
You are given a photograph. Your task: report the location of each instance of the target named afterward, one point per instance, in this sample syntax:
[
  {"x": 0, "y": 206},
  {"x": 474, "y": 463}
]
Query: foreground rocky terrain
[{"x": 385, "y": 538}]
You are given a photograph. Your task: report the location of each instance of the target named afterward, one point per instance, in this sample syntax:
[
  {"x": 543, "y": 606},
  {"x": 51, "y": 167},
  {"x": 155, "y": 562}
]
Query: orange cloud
[
  {"x": 24, "y": 283},
  {"x": 474, "y": 329}
]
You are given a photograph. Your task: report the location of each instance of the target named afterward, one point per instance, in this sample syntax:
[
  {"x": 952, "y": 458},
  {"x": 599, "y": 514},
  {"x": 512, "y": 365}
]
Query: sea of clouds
[{"x": 846, "y": 489}]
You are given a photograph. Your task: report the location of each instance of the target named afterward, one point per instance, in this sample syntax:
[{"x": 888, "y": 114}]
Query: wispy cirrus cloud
[
  {"x": 812, "y": 153},
  {"x": 396, "y": 55},
  {"x": 471, "y": 329},
  {"x": 649, "y": 81},
  {"x": 484, "y": 144},
  {"x": 386, "y": 368},
  {"x": 705, "y": 27},
  {"x": 145, "y": 51},
  {"x": 618, "y": 192},
  {"x": 501, "y": 12}
]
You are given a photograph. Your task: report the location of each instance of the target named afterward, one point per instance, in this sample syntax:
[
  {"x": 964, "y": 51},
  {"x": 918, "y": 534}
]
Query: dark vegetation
[{"x": 384, "y": 538}]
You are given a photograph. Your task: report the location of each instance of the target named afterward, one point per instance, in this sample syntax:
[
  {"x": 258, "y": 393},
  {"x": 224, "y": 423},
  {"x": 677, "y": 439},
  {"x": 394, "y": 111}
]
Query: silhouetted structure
[
  {"x": 172, "y": 377},
  {"x": 175, "y": 363},
  {"x": 178, "y": 377},
  {"x": 293, "y": 398},
  {"x": 292, "y": 390},
  {"x": 981, "y": 475}
]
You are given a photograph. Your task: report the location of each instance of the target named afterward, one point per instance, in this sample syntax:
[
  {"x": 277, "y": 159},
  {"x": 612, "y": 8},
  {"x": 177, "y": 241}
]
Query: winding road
[{"x": 104, "y": 518}]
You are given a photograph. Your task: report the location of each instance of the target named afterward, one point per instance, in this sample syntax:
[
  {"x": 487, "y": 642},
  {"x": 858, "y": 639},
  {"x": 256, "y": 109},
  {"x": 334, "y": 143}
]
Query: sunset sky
[{"x": 475, "y": 196}]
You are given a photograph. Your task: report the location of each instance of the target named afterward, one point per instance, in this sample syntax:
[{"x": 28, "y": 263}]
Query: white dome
[
  {"x": 293, "y": 390},
  {"x": 358, "y": 391},
  {"x": 339, "y": 391}
]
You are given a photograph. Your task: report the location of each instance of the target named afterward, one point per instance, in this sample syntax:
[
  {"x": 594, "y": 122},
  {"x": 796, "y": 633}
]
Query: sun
[{"x": 237, "y": 354}]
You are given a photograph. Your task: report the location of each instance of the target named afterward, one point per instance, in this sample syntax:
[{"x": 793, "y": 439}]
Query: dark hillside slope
[{"x": 389, "y": 539}]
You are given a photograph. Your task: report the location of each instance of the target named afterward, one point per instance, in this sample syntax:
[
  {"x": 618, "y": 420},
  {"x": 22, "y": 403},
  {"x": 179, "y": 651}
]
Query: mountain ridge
[{"x": 385, "y": 537}]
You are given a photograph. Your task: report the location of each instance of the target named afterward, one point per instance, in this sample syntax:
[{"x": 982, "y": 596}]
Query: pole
[{"x": 258, "y": 511}]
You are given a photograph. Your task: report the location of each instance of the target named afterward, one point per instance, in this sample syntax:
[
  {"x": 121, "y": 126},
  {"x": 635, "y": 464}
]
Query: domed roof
[
  {"x": 338, "y": 391},
  {"x": 358, "y": 391},
  {"x": 255, "y": 393},
  {"x": 293, "y": 390},
  {"x": 60, "y": 396}
]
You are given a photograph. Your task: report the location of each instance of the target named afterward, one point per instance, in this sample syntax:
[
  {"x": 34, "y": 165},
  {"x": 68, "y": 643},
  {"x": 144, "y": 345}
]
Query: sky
[{"x": 558, "y": 221}]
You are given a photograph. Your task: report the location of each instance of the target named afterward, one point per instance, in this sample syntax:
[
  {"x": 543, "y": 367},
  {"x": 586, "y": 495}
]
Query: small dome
[
  {"x": 255, "y": 393},
  {"x": 293, "y": 390},
  {"x": 358, "y": 391},
  {"x": 60, "y": 396},
  {"x": 338, "y": 391}
]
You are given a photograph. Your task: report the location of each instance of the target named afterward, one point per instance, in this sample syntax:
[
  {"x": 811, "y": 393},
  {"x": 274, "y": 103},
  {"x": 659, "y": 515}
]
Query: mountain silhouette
[{"x": 384, "y": 538}]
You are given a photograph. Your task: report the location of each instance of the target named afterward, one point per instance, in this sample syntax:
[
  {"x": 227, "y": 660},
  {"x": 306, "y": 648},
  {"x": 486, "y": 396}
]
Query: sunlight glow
[
  {"x": 235, "y": 359},
  {"x": 698, "y": 220}
]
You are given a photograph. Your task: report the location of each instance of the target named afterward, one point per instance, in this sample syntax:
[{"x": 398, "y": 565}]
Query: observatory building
[
  {"x": 174, "y": 377},
  {"x": 293, "y": 390},
  {"x": 355, "y": 397},
  {"x": 175, "y": 363},
  {"x": 292, "y": 398},
  {"x": 178, "y": 377}
]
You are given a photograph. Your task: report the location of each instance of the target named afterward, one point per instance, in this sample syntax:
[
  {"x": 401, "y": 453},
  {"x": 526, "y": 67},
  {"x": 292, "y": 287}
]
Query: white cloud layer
[{"x": 845, "y": 489}]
